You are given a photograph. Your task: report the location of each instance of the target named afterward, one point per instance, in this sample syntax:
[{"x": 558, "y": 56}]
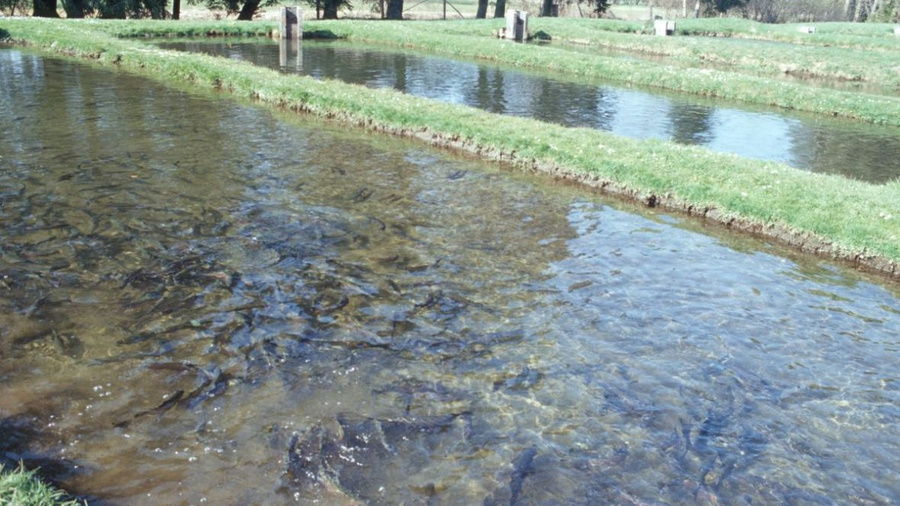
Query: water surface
[
  {"x": 805, "y": 141},
  {"x": 204, "y": 302}
]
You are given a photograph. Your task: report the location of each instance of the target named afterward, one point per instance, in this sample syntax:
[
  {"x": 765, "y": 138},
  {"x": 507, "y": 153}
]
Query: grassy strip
[
  {"x": 22, "y": 488},
  {"x": 472, "y": 39},
  {"x": 849, "y": 219},
  {"x": 869, "y": 36},
  {"x": 876, "y": 67},
  {"x": 157, "y": 28}
]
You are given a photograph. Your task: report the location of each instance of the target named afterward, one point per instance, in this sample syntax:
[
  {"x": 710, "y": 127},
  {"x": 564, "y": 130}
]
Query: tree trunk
[
  {"x": 176, "y": 9},
  {"x": 481, "y": 13},
  {"x": 157, "y": 8},
  {"x": 546, "y": 8},
  {"x": 859, "y": 14},
  {"x": 75, "y": 9},
  {"x": 330, "y": 9},
  {"x": 249, "y": 10},
  {"x": 395, "y": 9},
  {"x": 500, "y": 9},
  {"x": 45, "y": 9}
]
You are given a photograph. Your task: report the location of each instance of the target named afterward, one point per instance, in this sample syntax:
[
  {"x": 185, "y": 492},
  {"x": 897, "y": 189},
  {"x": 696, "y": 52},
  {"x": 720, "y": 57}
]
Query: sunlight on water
[{"x": 206, "y": 302}]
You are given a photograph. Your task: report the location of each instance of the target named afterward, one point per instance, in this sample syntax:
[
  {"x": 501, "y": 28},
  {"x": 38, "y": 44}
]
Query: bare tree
[
  {"x": 785, "y": 11},
  {"x": 481, "y": 13},
  {"x": 45, "y": 9},
  {"x": 500, "y": 9}
]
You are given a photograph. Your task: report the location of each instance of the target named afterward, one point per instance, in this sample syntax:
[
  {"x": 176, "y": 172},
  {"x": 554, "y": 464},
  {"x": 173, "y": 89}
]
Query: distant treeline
[
  {"x": 129, "y": 9},
  {"x": 247, "y": 9},
  {"x": 767, "y": 11}
]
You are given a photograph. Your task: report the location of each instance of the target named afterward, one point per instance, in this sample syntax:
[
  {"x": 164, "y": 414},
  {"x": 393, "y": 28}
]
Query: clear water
[
  {"x": 805, "y": 141},
  {"x": 206, "y": 302}
]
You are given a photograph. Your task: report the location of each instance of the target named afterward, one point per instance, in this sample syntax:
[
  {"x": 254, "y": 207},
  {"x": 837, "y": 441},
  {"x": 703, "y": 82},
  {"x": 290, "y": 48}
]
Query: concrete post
[
  {"x": 511, "y": 17},
  {"x": 664, "y": 28},
  {"x": 516, "y": 26},
  {"x": 291, "y": 23},
  {"x": 522, "y": 27}
]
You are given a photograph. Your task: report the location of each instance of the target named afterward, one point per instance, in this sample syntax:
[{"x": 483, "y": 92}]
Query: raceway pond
[
  {"x": 202, "y": 301},
  {"x": 811, "y": 142}
]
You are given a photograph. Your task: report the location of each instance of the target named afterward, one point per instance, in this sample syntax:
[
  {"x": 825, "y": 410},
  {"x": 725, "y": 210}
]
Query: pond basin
[
  {"x": 811, "y": 142},
  {"x": 203, "y": 301}
]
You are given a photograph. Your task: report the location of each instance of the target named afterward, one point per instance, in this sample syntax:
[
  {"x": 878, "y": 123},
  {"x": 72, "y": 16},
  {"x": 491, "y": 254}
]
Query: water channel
[
  {"x": 805, "y": 141},
  {"x": 202, "y": 301}
]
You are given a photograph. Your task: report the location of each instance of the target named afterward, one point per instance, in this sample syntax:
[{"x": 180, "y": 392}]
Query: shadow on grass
[{"x": 319, "y": 35}]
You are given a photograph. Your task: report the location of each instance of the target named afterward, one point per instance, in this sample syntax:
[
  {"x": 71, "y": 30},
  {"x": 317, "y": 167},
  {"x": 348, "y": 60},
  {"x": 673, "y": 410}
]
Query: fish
[
  {"x": 523, "y": 466},
  {"x": 219, "y": 381},
  {"x": 70, "y": 344},
  {"x": 309, "y": 469},
  {"x": 29, "y": 311},
  {"x": 361, "y": 195},
  {"x": 381, "y": 224},
  {"x": 158, "y": 410},
  {"x": 527, "y": 379},
  {"x": 326, "y": 309}
]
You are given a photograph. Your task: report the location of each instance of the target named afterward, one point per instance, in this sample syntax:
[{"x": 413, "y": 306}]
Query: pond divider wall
[
  {"x": 664, "y": 28},
  {"x": 516, "y": 26},
  {"x": 291, "y": 23}
]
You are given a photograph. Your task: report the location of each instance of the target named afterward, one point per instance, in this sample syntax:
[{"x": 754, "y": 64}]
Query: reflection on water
[
  {"x": 810, "y": 142},
  {"x": 201, "y": 302}
]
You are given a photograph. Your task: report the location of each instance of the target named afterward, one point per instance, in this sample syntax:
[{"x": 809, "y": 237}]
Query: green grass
[
  {"x": 848, "y": 219},
  {"x": 869, "y": 36},
  {"x": 473, "y": 39},
  {"x": 22, "y": 488},
  {"x": 837, "y": 63}
]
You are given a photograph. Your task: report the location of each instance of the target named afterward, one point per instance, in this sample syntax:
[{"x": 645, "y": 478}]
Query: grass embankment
[
  {"x": 852, "y": 220},
  {"x": 837, "y": 63},
  {"x": 22, "y": 488},
  {"x": 869, "y": 36},
  {"x": 473, "y": 39}
]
